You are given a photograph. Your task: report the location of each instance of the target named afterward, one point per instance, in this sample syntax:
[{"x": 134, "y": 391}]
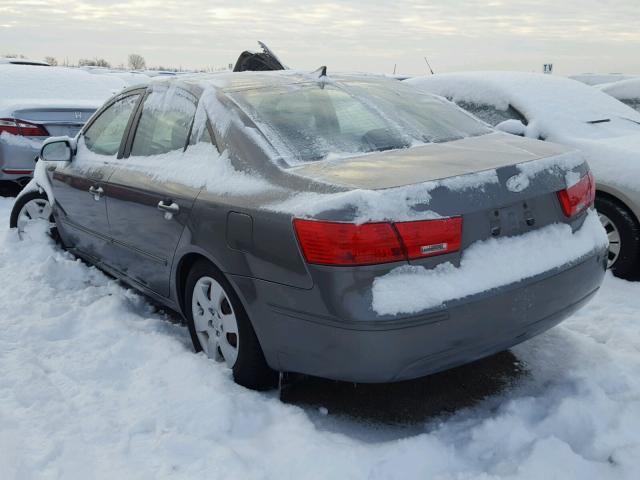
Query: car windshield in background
[{"x": 314, "y": 121}]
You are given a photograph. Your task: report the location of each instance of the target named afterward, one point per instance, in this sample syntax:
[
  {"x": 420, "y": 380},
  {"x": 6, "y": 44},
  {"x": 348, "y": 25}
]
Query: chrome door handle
[
  {"x": 169, "y": 209},
  {"x": 97, "y": 192}
]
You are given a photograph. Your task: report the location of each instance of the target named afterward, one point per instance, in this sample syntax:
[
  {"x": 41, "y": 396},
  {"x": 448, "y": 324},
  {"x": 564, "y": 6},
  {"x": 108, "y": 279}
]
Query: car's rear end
[
  {"x": 23, "y": 130},
  {"x": 41, "y": 102},
  {"x": 429, "y": 256}
]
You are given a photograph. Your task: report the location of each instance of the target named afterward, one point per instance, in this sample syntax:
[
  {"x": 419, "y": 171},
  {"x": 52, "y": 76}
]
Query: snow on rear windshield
[{"x": 314, "y": 121}]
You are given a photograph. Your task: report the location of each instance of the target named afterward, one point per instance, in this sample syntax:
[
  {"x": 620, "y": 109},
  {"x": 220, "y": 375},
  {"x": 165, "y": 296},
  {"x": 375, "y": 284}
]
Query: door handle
[
  {"x": 169, "y": 209},
  {"x": 97, "y": 192}
]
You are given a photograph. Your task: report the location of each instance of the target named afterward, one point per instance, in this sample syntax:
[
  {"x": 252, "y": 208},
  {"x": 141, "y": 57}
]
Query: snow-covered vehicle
[
  {"x": 564, "y": 111},
  {"x": 38, "y": 102},
  {"x": 627, "y": 91},
  {"x": 348, "y": 227},
  {"x": 21, "y": 61}
]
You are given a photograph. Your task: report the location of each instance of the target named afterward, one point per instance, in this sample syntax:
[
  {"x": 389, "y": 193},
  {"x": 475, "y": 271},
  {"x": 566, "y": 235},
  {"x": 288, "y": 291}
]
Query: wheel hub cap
[{"x": 215, "y": 321}]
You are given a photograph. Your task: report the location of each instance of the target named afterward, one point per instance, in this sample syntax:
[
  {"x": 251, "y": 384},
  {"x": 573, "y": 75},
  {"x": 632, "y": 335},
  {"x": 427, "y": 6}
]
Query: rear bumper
[
  {"x": 411, "y": 347},
  {"x": 17, "y": 160}
]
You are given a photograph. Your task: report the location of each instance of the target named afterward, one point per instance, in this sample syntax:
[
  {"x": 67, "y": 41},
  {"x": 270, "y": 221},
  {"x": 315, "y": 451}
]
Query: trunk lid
[
  {"x": 429, "y": 162},
  {"x": 58, "y": 121}
]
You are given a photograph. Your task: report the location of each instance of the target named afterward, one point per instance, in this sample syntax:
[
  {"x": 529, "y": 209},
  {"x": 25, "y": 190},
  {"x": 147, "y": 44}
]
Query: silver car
[
  {"x": 38, "y": 102},
  {"x": 564, "y": 111}
]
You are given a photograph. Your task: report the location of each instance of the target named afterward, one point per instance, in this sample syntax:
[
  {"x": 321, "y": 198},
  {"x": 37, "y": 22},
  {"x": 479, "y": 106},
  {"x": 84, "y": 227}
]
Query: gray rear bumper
[{"x": 411, "y": 347}]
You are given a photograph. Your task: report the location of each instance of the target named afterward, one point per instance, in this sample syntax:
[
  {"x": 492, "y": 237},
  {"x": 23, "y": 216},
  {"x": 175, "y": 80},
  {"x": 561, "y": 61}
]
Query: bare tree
[
  {"x": 51, "y": 61},
  {"x": 136, "y": 62},
  {"x": 93, "y": 62}
]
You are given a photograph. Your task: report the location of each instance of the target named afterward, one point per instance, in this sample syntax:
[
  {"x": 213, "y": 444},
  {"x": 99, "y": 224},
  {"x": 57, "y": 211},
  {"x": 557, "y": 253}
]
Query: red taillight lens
[
  {"x": 431, "y": 237},
  {"x": 332, "y": 243},
  {"x": 579, "y": 196},
  {"x": 20, "y": 127}
]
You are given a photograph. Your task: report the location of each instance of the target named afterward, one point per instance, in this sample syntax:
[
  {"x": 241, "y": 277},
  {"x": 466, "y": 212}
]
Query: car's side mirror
[
  {"x": 514, "y": 127},
  {"x": 57, "y": 149}
]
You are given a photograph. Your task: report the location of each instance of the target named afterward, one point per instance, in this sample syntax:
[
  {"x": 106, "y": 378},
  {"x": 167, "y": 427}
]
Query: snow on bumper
[{"x": 486, "y": 265}]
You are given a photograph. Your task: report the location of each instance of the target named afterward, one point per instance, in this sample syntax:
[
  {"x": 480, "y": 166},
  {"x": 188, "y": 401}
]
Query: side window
[
  {"x": 633, "y": 103},
  {"x": 491, "y": 114},
  {"x": 167, "y": 115},
  {"x": 105, "y": 133}
]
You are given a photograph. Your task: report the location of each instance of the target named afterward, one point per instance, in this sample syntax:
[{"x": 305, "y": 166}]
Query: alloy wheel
[
  {"x": 614, "y": 239},
  {"x": 36, "y": 209}
]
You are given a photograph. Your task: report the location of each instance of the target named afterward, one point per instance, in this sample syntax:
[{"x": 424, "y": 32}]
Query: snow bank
[
  {"x": 485, "y": 265},
  {"x": 96, "y": 383}
]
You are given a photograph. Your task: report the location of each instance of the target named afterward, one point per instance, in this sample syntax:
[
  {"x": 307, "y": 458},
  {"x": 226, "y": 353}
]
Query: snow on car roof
[
  {"x": 622, "y": 90},
  {"x": 26, "y": 85},
  {"x": 536, "y": 96}
]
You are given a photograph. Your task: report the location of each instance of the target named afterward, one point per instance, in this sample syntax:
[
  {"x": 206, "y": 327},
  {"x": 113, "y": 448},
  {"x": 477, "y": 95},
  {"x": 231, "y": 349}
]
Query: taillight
[
  {"x": 22, "y": 128},
  {"x": 333, "y": 243},
  {"x": 431, "y": 237},
  {"x": 578, "y": 197}
]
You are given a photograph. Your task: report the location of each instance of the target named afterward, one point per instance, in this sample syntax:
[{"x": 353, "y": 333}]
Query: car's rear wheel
[
  {"x": 219, "y": 327},
  {"x": 30, "y": 207},
  {"x": 624, "y": 237}
]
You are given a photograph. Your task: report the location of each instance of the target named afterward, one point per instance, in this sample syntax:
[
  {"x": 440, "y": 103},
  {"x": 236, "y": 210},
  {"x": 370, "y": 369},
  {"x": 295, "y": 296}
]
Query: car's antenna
[
  {"x": 430, "y": 69},
  {"x": 321, "y": 75},
  {"x": 394, "y": 68},
  {"x": 320, "y": 72}
]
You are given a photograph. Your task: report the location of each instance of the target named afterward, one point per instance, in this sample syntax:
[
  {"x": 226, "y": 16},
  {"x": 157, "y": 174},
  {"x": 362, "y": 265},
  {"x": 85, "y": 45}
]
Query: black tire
[
  {"x": 250, "y": 369},
  {"x": 21, "y": 202},
  {"x": 627, "y": 263}
]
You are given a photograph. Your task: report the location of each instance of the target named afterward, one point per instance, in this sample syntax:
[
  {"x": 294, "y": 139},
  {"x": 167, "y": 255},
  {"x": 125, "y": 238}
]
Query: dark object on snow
[{"x": 258, "y": 61}]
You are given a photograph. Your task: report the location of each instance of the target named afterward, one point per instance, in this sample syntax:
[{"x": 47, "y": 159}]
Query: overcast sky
[{"x": 576, "y": 35}]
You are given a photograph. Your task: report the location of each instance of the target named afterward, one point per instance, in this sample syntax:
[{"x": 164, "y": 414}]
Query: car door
[
  {"x": 147, "y": 206},
  {"x": 78, "y": 186}
]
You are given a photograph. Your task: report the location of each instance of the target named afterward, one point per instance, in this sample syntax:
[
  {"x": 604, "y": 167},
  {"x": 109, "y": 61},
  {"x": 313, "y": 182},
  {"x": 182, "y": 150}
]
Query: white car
[
  {"x": 565, "y": 111},
  {"x": 627, "y": 91}
]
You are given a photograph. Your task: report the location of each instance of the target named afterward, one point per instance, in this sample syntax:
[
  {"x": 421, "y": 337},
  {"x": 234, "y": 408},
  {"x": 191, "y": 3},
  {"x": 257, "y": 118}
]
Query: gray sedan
[{"x": 348, "y": 227}]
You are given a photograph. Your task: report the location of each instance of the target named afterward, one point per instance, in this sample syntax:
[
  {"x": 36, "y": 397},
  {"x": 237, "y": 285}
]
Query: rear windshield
[{"x": 315, "y": 121}]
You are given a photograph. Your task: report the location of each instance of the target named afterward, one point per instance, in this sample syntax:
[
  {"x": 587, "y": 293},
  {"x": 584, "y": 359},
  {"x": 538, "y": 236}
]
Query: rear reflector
[
  {"x": 22, "y": 128},
  {"x": 578, "y": 197},
  {"x": 333, "y": 243},
  {"x": 10, "y": 171},
  {"x": 431, "y": 237}
]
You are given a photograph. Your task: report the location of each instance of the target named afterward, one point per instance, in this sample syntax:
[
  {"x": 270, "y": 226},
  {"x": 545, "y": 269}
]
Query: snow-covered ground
[{"x": 96, "y": 383}]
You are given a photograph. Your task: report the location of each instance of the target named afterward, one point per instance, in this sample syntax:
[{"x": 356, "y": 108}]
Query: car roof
[
  {"x": 623, "y": 89},
  {"x": 236, "y": 81}
]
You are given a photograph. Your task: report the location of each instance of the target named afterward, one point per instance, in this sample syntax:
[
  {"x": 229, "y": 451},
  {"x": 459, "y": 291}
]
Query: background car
[
  {"x": 346, "y": 227},
  {"x": 21, "y": 61},
  {"x": 38, "y": 102},
  {"x": 560, "y": 110},
  {"x": 627, "y": 91}
]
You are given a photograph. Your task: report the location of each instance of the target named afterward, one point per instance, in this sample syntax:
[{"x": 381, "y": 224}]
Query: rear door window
[
  {"x": 104, "y": 135},
  {"x": 490, "y": 114},
  {"x": 165, "y": 122}
]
